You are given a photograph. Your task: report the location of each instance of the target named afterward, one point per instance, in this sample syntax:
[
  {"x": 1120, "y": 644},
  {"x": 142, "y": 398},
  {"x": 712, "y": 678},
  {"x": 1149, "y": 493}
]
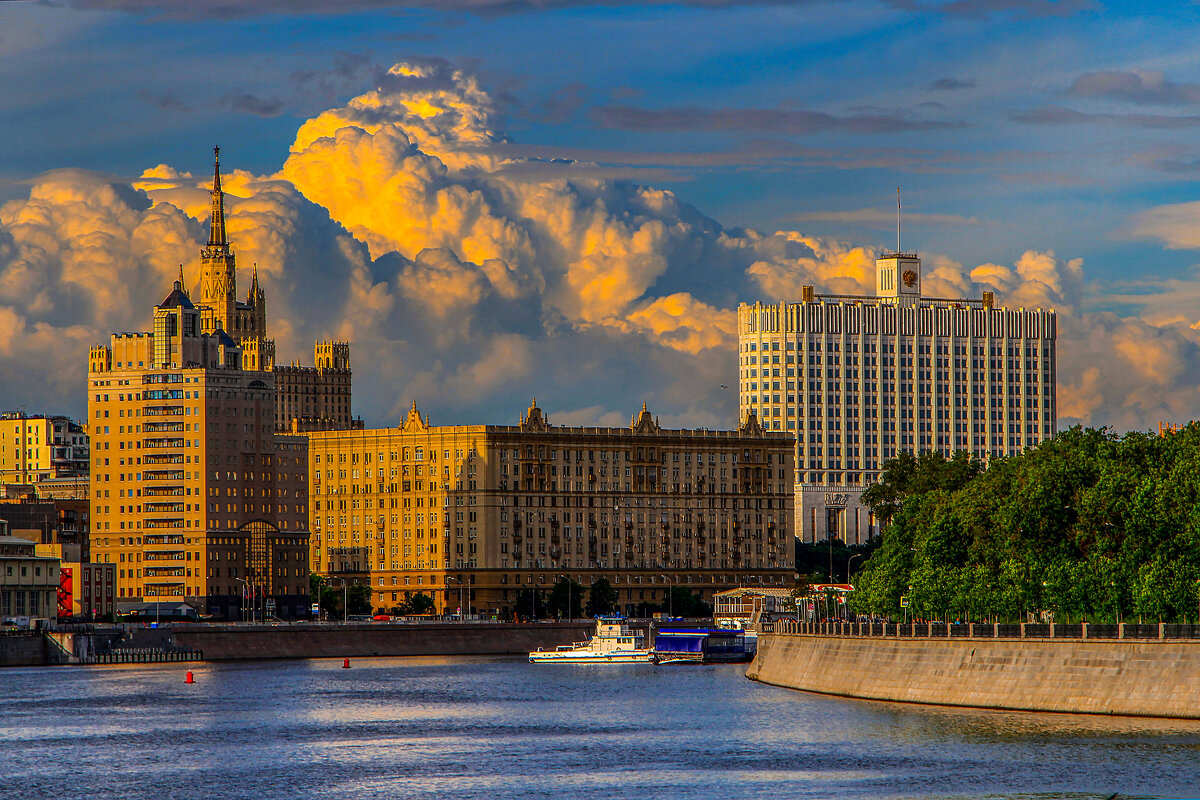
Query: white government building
[{"x": 859, "y": 379}]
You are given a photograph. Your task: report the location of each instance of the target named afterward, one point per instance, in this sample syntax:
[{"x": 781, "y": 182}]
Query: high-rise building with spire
[{"x": 197, "y": 488}]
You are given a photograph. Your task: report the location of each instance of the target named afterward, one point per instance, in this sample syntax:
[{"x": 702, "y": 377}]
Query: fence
[
  {"x": 143, "y": 655},
  {"x": 942, "y": 630}
]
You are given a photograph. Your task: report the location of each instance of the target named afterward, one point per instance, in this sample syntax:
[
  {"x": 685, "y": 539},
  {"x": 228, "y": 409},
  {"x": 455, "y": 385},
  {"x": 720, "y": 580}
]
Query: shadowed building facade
[
  {"x": 859, "y": 379},
  {"x": 494, "y": 509}
]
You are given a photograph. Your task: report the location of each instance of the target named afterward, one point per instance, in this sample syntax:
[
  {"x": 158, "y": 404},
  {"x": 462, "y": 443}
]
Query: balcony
[
  {"x": 164, "y": 572},
  {"x": 163, "y": 491},
  {"x": 163, "y": 539},
  {"x": 163, "y": 475},
  {"x": 162, "y": 523},
  {"x": 162, "y": 411},
  {"x": 163, "y": 458},
  {"x": 162, "y": 427},
  {"x": 162, "y": 443},
  {"x": 163, "y": 555}
]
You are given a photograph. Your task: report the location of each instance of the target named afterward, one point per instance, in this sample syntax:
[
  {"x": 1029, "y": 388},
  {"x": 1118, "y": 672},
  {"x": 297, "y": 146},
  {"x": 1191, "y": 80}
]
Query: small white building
[{"x": 742, "y": 607}]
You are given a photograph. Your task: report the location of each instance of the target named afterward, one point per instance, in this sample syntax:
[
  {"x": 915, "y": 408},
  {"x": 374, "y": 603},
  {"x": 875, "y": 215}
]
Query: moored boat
[
  {"x": 614, "y": 642},
  {"x": 707, "y": 645}
]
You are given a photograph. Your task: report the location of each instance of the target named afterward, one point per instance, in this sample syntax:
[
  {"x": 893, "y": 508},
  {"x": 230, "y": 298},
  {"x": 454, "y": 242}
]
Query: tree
[
  {"x": 416, "y": 604},
  {"x": 358, "y": 598},
  {"x": 602, "y": 598},
  {"x": 1088, "y": 524},
  {"x": 530, "y": 604},
  {"x": 681, "y": 602},
  {"x": 565, "y": 592},
  {"x": 328, "y": 598}
]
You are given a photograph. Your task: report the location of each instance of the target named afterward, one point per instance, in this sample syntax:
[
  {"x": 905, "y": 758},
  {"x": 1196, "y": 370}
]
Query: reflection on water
[{"x": 486, "y": 728}]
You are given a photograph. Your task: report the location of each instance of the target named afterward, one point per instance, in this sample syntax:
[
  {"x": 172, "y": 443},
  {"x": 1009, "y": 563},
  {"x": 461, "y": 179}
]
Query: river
[{"x": 492, "y": 728}]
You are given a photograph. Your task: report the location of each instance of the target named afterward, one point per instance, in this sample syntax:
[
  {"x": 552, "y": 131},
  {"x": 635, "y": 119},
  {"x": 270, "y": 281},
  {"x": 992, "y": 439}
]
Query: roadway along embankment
[
  {"x": 1156, "y": 678},
  {"x": 233, "y": 642}
]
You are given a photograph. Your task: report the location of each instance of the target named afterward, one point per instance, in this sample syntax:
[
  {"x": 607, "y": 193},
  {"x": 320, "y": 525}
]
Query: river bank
[
  {"x": 1115, "y": 676},
  {"x": 237, "y": 642}
]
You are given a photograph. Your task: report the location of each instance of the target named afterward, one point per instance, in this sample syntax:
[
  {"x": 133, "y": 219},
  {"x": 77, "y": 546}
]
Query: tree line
[{"x": 1089, "y": 525}]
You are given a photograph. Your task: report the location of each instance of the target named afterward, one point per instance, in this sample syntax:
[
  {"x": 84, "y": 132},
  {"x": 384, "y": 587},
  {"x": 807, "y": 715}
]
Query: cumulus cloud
[{"x": 402, "y": 220}]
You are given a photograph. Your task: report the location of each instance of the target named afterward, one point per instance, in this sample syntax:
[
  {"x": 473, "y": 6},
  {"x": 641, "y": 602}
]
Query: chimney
[{"x": 989, "y": 299}]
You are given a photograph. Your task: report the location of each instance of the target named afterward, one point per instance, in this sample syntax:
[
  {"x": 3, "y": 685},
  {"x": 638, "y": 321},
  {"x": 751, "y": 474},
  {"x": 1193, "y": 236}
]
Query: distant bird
[{"x": 723, "y": 386}]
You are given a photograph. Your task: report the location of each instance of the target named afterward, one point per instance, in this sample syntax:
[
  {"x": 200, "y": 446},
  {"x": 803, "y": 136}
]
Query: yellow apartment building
[
  {"x": 482, "y": 512},
  {"x": 35, "y": 448}
]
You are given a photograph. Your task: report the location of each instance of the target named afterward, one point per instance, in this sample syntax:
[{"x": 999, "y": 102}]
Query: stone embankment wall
[
  {"x": 22, "y": 649},
  {"x": 234, "y": 642},
  {"x": 1153, "y": 678},
  {"x": 241, "y": 642}
]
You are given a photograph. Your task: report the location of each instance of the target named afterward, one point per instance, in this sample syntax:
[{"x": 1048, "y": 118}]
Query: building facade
[
  {"x": 858, "y": 380},
  {"x": 41, "y": 448},
  {"x": 28, "y": 582},
  {"x": 473, "y": 515},
  {"x": 194, "y": 494}
]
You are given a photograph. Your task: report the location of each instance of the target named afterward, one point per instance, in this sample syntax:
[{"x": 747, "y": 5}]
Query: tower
[
  {"x": 898, "y": 278},
  {"x": 218, "y": 284}
]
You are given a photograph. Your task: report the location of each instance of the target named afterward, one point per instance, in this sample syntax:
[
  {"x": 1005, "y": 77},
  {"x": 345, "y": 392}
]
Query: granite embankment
[
  {"x": 1134, "y": 677},
  {"x": 234, "y": 642},
  {"x": 206, "y": 642}
]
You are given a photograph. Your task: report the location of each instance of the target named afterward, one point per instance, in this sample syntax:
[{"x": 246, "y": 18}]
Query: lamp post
[
  {"x": 345, "y": 599},
  {"x": 460, "y": 598},
  {"x": 848, "y": 561}
]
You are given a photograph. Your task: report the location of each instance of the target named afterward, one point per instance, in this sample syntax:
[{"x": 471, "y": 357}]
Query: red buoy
[
  {"x": 189, "y": 678},
  {"x": 345, "y": 664}
]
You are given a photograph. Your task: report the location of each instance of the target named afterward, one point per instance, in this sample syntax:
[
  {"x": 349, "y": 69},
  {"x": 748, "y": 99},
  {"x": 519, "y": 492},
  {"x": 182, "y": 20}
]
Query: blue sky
[{"x": 1012, "y": 125}]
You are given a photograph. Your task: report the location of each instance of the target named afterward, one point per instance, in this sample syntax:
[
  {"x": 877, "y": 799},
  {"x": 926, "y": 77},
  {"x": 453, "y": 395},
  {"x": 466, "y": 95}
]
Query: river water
[{"x": 492, "y": 728}]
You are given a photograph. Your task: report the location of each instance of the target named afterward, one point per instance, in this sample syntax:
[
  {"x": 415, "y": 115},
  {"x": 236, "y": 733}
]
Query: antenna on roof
[{"x": 897, "y": 219}]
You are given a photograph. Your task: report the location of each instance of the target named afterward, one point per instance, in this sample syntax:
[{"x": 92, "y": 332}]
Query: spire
[
  {"x": 254, "y": 290},
  {"x": 182, "y": 282},
  {"x": 216, "y": 236}
]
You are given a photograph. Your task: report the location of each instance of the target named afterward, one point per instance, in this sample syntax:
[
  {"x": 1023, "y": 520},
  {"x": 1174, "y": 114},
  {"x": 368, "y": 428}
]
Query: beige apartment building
[
  {"x": 481, "y": 512},
  {"x": 36, "y": 448},
  {"x": 195, "y": 495}
]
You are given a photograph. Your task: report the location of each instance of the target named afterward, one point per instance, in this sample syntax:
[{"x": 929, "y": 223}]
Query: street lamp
[
  {"x": 848, "y": 561},
  {"x": 460, "y": 598},
  {"x": 345, "y": 599}
]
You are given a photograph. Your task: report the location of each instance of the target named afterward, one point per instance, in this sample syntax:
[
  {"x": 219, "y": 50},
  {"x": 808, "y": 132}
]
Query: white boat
[{"x": 614, "y": 642}]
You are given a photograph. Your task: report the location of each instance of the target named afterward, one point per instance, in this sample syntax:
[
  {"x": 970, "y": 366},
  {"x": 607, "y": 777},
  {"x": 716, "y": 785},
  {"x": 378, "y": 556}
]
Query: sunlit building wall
[{"x": 472, "y": 515}]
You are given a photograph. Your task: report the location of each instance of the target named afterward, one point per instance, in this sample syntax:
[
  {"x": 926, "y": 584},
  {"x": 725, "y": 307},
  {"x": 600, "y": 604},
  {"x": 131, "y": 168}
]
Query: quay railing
[
  {"x": 984, "y": 630},
  {"x": 142, "y": 655}
]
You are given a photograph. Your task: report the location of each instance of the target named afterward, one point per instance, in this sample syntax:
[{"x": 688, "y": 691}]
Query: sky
[{"x": 496, "y": 200}]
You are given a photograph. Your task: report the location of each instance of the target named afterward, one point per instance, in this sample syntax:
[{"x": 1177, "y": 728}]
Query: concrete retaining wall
[
  {"x": 22, "y": 650},
  {"x": 1136, "y": 678},
  {"x": 233, "y": 642}
]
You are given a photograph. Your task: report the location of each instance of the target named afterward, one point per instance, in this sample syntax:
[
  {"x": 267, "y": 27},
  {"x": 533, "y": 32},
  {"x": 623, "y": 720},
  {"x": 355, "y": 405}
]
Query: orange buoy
[
  {"x": 345, "y": 664},
  {"x": 189, "y": 678}
]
